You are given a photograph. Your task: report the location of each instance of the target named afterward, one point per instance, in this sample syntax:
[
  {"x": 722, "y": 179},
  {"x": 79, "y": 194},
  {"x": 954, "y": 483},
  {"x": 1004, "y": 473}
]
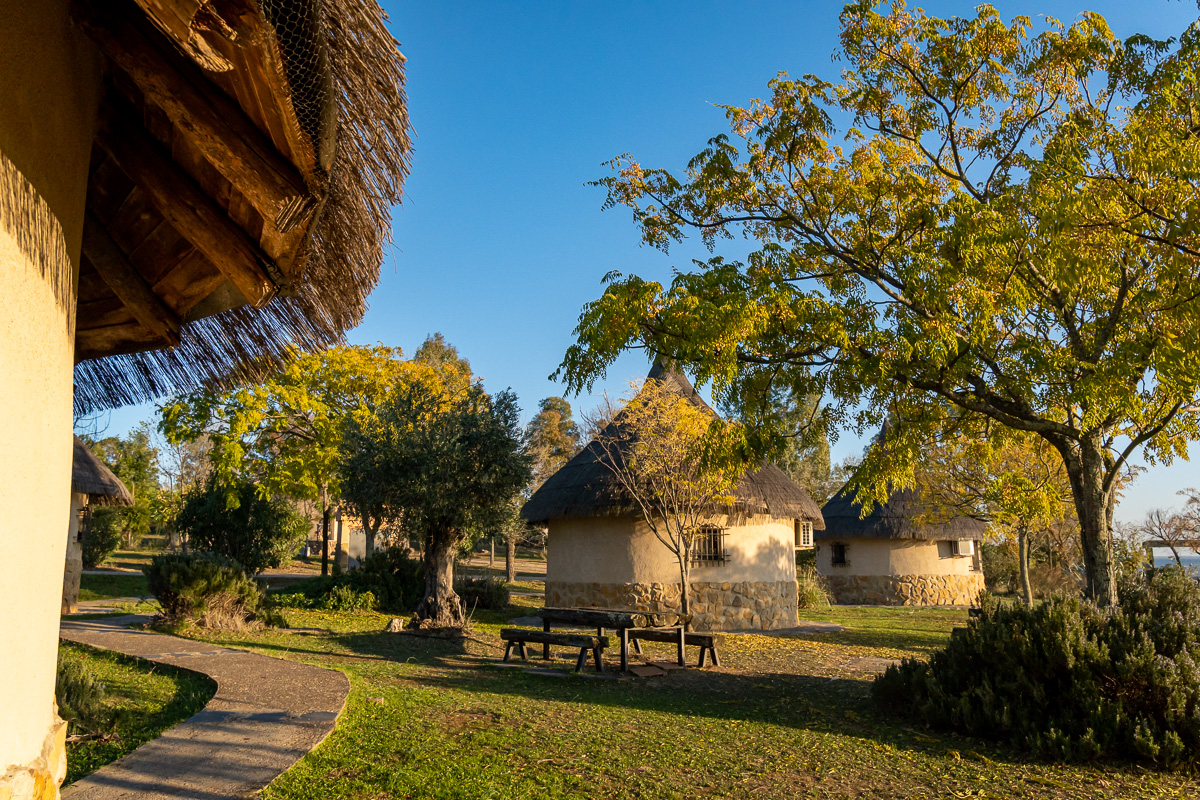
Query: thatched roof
[
  {"x": 90, "y": 476},
  {"x": 585, "y": 487},
  {"x": 247, "y": 156},
  {"x": 903, "y": 516}
]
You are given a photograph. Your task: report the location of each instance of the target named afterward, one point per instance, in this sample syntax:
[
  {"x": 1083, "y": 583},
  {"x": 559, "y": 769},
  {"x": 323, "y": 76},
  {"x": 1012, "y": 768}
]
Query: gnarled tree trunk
[
  {"x": 441, "y": 605},
  {"x": 325, "y": 514}
]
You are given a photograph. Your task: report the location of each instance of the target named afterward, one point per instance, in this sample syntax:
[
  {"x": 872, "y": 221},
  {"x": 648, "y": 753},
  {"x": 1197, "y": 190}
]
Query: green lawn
[
  {"x": 143, "y": 700},
  {"x": 783, "y": 718},
  {"x": 104, "y": 587}
]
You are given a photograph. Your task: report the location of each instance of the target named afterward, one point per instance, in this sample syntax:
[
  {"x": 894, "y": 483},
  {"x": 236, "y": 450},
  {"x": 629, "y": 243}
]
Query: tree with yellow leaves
[{"x": 676, "y": 461}]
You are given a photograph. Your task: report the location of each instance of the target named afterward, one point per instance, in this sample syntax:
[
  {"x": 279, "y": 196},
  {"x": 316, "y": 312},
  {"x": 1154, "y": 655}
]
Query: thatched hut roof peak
[
  {"x": 91, "y": 476},
  {"x": 903, "y": 516},
  {"x": 586, "y": 486}
]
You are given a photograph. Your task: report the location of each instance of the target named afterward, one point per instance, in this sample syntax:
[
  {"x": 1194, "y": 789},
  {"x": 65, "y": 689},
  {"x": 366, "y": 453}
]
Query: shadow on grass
[{"x": 809, "y": 702}]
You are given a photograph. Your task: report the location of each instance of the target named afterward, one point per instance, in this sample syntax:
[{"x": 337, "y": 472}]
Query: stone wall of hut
[
  {"x": 906, "y": 590},
  {"x": 725, "y": 606}
]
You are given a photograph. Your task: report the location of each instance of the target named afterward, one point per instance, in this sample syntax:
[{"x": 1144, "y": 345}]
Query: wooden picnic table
[{"x": 619, "y": 620}]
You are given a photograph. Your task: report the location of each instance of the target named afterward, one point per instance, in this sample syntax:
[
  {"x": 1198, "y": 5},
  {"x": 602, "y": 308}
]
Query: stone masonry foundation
[
  {"x": 906, "y": 590},
  {"x": 743, "y": 605}
]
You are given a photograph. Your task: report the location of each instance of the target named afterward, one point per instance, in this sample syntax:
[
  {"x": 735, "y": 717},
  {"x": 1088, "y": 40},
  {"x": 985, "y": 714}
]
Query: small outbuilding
[
  {"x": 600, "y": 552},
  {"x": 899, "y": 554},
  {"x": 92, "y": 484}
]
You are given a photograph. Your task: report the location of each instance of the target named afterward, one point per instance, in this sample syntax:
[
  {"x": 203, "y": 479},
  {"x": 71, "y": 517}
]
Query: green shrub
[
  {"x": 80, "y": 697},
  {"x": 396, "y": 581},
  {"x": 102, "y": 536},
  {"x": 486, "y": 593},
  {"x": 344, "y": 598},
  {"x": 257, "y": 534},
  {"x": 1068, "y": 680},
  {"x": 812, "y": 589},
  {"x": 208, "y": 590},
  {"x": 292, "y": 600}
]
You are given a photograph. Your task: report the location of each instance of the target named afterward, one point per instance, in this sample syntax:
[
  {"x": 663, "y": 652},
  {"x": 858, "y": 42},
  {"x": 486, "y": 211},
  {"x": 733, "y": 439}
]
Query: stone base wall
[
  {"x": 41, "y": 779},
  {"x": 715, "y": 606},
  {"x": 906, "y": 590}
]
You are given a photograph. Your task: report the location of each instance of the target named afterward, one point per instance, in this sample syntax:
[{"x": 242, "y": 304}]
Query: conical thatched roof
[
  {"x": 901, "y": 517},
  {"x": 247, "y": 156},
  {"x": 585, "y": 487},
  {"x": 90, "y": 476}
]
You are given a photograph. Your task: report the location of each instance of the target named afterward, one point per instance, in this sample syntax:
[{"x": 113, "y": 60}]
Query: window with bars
[
  {"x": 804, "y": 534},
  {"x": 838, "y": 555},
  {"x": 708, "y": 548}
]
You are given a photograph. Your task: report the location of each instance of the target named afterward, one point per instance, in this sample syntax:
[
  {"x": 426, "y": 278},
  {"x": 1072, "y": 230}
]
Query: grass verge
[
  {"x": 784, "y": 717},
  {"x": 105, "y": 587},
  {"x": 141, "y": 700}
]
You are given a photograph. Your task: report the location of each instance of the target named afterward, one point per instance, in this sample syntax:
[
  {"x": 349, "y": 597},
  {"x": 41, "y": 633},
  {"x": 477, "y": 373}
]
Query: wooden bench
[
  {"x": 517, "y": 637},
  {"x": 707, "y": 642}
]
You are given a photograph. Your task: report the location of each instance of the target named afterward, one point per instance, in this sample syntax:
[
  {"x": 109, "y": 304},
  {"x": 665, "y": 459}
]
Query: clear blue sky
[{"x": 516, "y": 105}]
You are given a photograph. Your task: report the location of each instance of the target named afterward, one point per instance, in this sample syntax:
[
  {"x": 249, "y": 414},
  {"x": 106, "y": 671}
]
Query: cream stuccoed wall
[
  {"x": 892, "y": 557},
  {"x": 49, "y": 86},
  {"x": 615, "y": 550}
]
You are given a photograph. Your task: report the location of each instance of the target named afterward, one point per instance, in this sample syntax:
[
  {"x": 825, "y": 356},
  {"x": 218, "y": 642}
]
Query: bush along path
[{"x": 266, "y": 715}]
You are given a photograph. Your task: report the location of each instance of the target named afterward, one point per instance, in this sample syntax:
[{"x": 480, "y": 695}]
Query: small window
[
  {"x": 837, "y": 555},
  {"x": 804, "y": 534},
  {"x": 708, "y": 548}
]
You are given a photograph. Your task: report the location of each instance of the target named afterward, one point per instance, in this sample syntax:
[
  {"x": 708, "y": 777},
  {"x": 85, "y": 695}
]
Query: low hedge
[{"x": 1068, "y": 680}]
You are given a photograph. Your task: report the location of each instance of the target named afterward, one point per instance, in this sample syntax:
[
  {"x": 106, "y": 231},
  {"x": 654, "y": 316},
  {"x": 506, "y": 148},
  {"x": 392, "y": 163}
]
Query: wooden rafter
[
  {"x": 212, "y": 123},
  {"x": 127, "y": 283},
  {"x": 186, "y": 207}
]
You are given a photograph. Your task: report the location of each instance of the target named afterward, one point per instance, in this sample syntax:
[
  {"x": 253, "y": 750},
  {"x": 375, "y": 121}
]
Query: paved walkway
[{"x": 266, "y": 715}]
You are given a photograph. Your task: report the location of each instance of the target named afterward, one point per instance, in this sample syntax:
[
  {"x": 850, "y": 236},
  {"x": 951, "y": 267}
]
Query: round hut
[
  {"x": 92, "y": 484},
  {"x": 600, "y": 552},
  {"x": 899, "y": 554},
  {"x": 190, "y": 191}
]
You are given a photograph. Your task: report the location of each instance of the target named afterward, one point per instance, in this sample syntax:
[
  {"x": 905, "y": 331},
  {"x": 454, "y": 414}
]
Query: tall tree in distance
[
  {"x": 552, "y": 439},
  {"x": 1006, "y": 224},
  {"x": 135, "y": 460}
]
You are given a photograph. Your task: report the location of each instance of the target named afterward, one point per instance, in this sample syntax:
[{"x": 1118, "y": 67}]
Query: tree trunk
[
  {"x": 370, "y": 530},
  {"x": 685, "y": 585},
  {"x": 492, "y": 554},
  {"x": 1094, "y": 507},
  {"x": 1023, "y": 566},
  {"x": 324, "y": 531},
  {"x": 440, "y": 605},
  {"x": 510, "y": 558}
]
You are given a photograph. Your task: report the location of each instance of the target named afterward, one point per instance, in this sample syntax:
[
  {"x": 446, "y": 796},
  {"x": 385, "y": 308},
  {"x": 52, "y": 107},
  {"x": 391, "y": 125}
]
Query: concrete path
[{"x": 266, "y": 715}]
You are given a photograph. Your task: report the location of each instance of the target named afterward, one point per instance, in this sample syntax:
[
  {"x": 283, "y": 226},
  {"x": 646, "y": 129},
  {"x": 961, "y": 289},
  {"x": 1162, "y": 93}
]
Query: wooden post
[
  {"x": 546, "y": 646},
  {"x": 682, "y": 640},
  {"x": 624, "y": 649}
]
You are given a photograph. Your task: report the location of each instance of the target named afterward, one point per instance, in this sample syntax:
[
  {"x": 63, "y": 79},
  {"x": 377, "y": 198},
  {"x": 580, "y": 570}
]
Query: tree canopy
[
  {"x": 553, "y": 438},
  {"x": 446, "y": 462},
  {"x": 978, "y": 218}
]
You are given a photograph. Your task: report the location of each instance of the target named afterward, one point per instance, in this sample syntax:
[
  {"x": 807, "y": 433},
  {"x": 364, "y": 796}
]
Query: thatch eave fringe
[
  {"x": 91, "y": 476},
  {"x": 343, "y": 254}
]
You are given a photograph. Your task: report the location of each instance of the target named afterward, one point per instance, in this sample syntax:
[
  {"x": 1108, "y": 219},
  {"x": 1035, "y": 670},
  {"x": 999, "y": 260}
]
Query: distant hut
[
  {"x": 899, "y": 554},
  {"x": 600, "y": 552},
  {"x": 92, "y": 484},
  {"x": 190, "y": 190}
]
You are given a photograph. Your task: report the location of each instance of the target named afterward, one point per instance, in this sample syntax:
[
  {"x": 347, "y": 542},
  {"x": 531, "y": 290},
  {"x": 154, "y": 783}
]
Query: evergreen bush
[
  {"x": 486, "y": 593},
  {"x": 1068, "y": 680},
  {"x": 344, "y": 598},
  {"x": 257, "y": 533},
  {"x": 207, "y": 590},
  {"x": 102, "y": 536},
  {"x": 396, "y": 581}
]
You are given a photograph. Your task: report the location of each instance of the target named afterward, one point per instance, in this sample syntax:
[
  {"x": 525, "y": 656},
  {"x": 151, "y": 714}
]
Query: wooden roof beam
[
  {"x": 127, "y": 283},
  {"x": 186, "y": 207},
  {"x": 238, "y": 150}
]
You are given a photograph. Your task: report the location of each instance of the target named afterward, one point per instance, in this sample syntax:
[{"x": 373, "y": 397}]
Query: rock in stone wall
[
  {"x": 715, "y": 606},
  {"x": 906, "y": 590}
]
